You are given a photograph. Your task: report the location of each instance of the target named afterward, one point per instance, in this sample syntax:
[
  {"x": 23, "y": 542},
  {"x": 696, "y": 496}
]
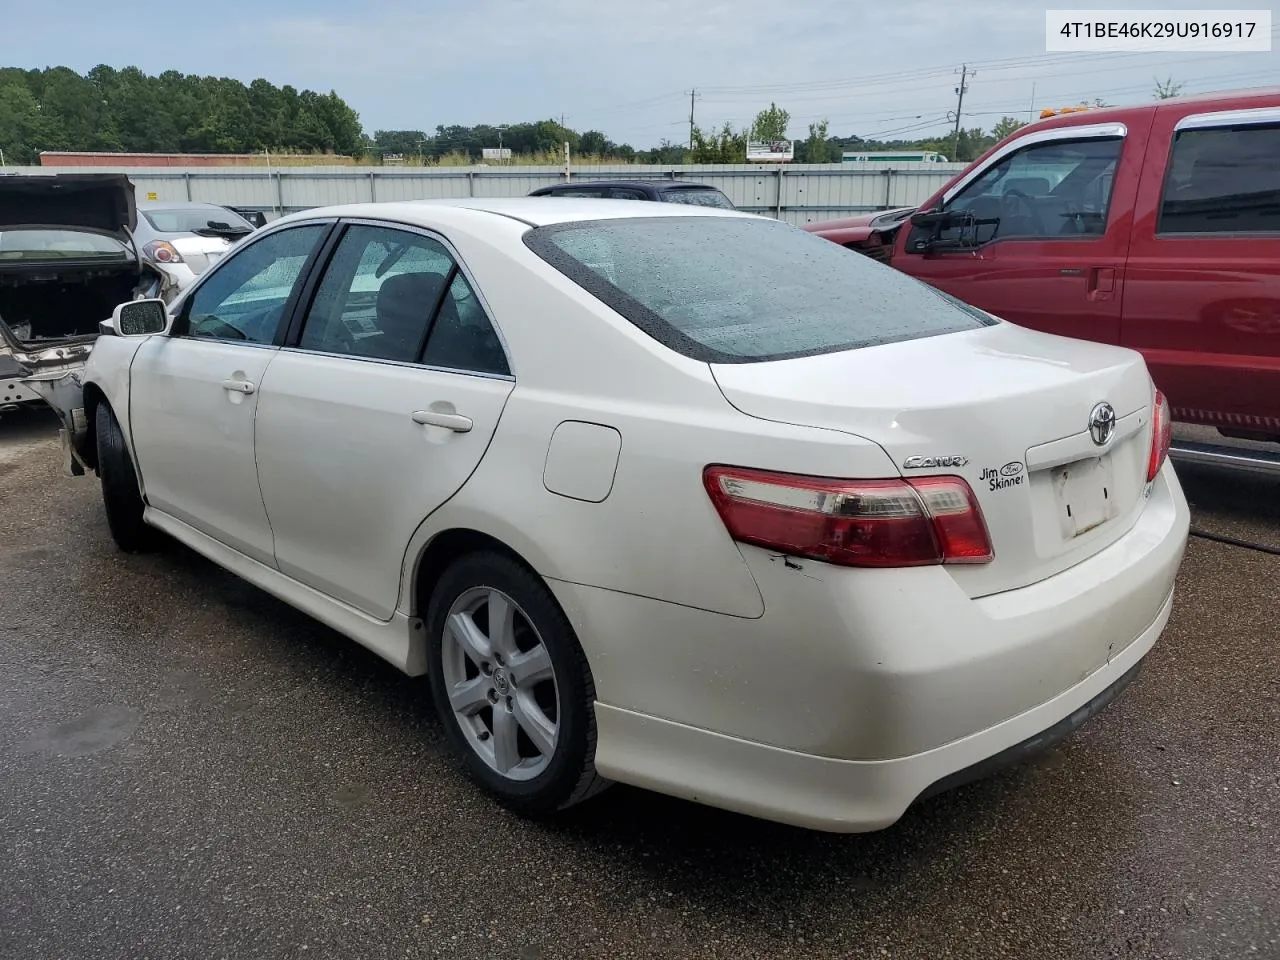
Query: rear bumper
[
  {"x": 859, "y": 689},
  {"x": 841, "y": 796},
  {"x": 20, "y": 378}
]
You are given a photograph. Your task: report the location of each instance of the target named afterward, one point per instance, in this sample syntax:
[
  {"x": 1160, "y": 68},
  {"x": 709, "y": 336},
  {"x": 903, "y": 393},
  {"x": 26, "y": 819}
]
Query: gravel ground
[{"x": 189, "y": 768}]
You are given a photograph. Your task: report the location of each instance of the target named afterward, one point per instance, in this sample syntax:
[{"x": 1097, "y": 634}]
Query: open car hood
[{"x": 101, "y": 202}]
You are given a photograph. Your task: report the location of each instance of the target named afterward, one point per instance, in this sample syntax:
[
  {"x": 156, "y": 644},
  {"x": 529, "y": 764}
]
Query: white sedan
[{"x": 678, "y": 497}]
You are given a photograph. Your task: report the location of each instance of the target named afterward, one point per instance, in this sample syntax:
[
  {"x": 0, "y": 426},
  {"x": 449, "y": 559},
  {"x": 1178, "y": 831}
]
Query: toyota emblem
[{"x": 1102, "y": 423}]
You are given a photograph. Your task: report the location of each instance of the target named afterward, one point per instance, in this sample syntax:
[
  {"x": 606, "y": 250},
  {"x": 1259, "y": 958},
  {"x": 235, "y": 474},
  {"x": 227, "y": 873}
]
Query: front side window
[
  {"x": 244, "y": 298},
  {"x": 390, "y": 294},
  {"x": 1046, "y": 191},
  {"x": 741, "y": 289},
  {"x": 1223, "y": 180}
]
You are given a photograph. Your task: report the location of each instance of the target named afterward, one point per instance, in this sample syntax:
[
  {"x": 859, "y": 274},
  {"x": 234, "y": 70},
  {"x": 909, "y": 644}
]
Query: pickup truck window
[
  {"x": 1049, "y": 190},
  {"x": 1223, "y": 180}
]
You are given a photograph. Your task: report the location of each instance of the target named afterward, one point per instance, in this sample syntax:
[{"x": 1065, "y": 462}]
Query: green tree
[
  {"x": 770, "y": 124},
  {"x": 726, "y": 146},
  {"x": 970, "y": 144},
  {"x": 403, "y": 142},
  {"x": 1167, "y": 89},
  {"x": 24, "y": 132},
  {"x": 594, "y": 144},
  {"x": 817, "y": 149},
  {"x": 1006, "y": 126}
]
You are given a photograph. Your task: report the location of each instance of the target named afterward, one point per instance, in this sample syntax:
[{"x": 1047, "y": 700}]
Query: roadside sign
[
  {"x": 495, "y": 153},
  {"x": 771, "y": 151}
]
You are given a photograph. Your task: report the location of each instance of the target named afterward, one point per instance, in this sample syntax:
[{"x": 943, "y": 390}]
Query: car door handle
[
  {"x": 239, "y": 386},
  {"x": 450, "y": 421}
]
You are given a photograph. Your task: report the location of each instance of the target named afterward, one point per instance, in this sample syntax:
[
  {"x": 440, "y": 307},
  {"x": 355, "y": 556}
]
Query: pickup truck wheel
[
  {"x": 511, "y": 685},
  {"x": 120, "y": 495}
]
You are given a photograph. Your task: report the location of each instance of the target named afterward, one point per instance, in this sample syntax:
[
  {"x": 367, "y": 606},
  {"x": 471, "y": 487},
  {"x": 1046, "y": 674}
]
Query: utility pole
[
  {"x": 693, "y": 95},
  {"x": 965, "y": 73}
]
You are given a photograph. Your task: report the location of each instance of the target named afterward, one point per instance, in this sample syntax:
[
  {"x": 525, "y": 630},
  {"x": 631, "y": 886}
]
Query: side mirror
[
  {"x": 140, "y": 318},
  {"x": 939, "y": 219}
]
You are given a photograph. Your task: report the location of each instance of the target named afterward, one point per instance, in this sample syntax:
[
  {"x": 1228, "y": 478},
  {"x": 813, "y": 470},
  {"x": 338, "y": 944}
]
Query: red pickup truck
[{"x": 1155, "y": 227}]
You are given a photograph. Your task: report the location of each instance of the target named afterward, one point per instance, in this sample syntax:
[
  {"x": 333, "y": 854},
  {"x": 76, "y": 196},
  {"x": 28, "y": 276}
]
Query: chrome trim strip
[{"x": 1228, "y": 118}]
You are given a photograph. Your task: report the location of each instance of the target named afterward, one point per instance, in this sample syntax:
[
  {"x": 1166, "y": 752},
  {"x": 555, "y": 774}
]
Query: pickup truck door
[
  {"x": 376, "y": 410},
  {"x": 194, "y": 393},
  {"x": 1053, "y": 224},
  {"x": 1203, "y": 296}
]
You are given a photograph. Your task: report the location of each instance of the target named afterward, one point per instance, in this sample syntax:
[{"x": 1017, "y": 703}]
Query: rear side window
[
  {"x": 698, "y": 198},
  {"x": 1223, "y": 180},
  {"x": 212, "y": 220},
  {"x": 594, "y": 193},
  {"x": 739, "y": 289}
]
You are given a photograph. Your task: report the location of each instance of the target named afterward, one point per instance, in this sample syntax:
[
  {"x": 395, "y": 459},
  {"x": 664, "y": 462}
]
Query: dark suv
[{"x": 663, "y": 191}]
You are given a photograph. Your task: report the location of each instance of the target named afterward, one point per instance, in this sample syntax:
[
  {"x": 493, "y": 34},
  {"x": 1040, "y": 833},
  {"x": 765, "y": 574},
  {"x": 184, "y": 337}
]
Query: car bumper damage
[{"x": 63, "y": 390}]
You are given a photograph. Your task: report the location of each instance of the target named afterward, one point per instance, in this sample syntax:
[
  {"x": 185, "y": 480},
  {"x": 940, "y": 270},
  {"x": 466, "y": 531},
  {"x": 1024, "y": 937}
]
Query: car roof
[{"x": 532, "y": 211}]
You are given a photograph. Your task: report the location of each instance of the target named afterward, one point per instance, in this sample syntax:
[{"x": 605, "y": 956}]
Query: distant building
[
  {"x": 63, "y": 158},
  {"x": 905, "y": 156}
]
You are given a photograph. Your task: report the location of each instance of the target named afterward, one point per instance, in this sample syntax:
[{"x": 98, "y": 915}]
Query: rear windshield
[
  {"x": 59, "y": 245},
  {"x": 738, "y": 290},
  {"x": 196, "y": 220},
  {"x": 698, "y": 197}
]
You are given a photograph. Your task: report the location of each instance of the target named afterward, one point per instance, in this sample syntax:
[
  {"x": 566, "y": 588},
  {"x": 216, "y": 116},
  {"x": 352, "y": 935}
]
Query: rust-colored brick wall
[{"x": 57, "y": 159}]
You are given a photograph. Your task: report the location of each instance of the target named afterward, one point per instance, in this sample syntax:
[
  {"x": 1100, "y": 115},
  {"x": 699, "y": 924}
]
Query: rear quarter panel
[{"x": 657, "y": 533}]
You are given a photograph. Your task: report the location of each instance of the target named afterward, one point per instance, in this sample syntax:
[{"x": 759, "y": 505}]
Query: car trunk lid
[
  {"x": 98, "y": 202},
  {"x": 1005, "y": 408},
  {"x": 200, "y": 252}
]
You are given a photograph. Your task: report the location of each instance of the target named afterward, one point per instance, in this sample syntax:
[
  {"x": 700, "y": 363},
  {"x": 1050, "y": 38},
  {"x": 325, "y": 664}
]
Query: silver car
[
  {"x": 67, "y": 258},
  {"x": 185, "y": 238}
]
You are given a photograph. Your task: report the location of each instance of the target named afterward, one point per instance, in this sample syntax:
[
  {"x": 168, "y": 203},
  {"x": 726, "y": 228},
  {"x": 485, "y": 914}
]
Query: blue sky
[{"x": 872, "y": 68}]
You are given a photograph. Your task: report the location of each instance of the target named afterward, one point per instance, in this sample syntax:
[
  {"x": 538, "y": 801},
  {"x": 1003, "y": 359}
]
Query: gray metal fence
[{"x": 799, "y": 193}]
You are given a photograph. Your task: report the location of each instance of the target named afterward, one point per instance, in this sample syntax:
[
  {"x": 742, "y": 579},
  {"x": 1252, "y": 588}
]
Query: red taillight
[
  {"x": 854, "y": 523},
  {"x": 1161, "y": 435},
  {"x": 162, "y": 251}
]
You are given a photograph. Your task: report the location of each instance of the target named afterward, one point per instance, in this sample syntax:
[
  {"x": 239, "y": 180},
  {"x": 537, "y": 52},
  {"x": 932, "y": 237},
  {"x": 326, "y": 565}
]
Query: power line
[{"x": 1007, "y": 63}]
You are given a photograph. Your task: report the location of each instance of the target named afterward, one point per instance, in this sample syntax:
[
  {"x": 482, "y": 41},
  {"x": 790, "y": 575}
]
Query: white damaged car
[
  {"x": 67, "y": 257},
  {"x": 679, "y": 497}
]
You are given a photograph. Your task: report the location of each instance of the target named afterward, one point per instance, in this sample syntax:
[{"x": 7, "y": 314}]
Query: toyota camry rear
[{"x": 964, "y": 534}]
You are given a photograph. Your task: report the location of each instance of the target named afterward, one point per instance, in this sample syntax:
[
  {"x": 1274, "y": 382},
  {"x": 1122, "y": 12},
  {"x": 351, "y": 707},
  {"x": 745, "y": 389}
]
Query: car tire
[
  {"x": 521, "y": 718},
  {"x": 120, "y": 494}
]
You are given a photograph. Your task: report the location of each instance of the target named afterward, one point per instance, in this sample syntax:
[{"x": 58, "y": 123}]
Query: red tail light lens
[
  {"x": 1161, "y": 435},
  {"x": 853, "y": 523},
  {"x": 161, "y": 251}
]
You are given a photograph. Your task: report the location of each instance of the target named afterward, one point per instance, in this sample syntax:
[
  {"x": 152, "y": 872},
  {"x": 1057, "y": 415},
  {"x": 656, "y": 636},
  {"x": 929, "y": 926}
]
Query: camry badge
[{"x": 925, "y": 463}]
